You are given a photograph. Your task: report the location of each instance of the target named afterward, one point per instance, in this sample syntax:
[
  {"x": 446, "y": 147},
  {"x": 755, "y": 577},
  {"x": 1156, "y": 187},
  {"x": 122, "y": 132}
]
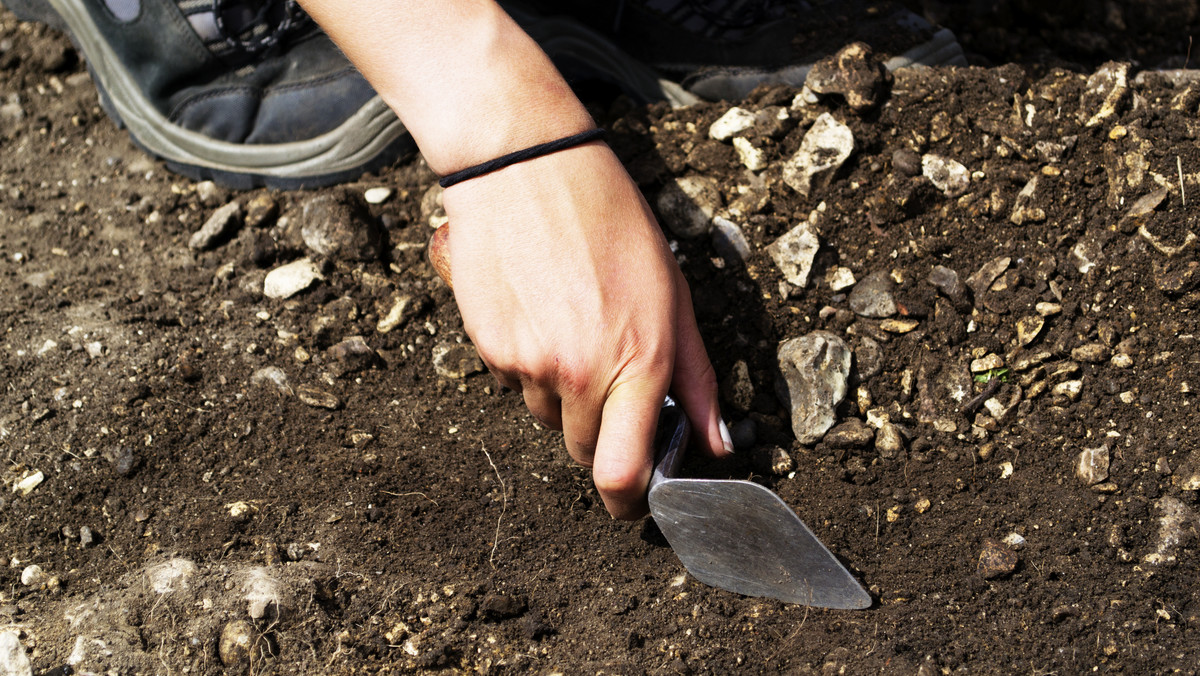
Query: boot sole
[{"x": 373, "y": 137}]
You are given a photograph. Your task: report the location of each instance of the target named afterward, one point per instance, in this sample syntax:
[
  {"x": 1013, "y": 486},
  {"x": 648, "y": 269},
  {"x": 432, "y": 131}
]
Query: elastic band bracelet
[{"x": 520, "y": 156}]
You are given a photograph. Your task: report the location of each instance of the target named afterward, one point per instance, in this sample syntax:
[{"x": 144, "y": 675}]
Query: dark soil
[{"x": 428, "y": 522}]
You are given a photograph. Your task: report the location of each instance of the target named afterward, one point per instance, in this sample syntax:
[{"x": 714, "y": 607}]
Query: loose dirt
[{"x": 194, "y": 511}]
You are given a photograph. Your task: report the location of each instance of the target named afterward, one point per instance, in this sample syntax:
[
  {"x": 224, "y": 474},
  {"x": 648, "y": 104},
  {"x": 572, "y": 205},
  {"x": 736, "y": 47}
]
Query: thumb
[{"x": 625, "y": 447}]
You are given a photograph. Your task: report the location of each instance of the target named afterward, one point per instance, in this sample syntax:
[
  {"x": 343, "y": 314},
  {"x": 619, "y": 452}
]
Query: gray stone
[
  {"x": 794, "y": 253},
  {"x": 33, "y": 575},
  {"x": 688, "y": 204},
  {"x": 353, "y": 354},
  {"x": 1091, "y": 353},
  {"x": 339, "y": 226},
  {"x": 218, "y": 227},
  {"x": 985, "y": 275},
  {"x": 868, "y": 358},
  {"x": 262, "y": 211},
  {"x": 1087, "y": 253},
  {"x": 814, "y": 370},
  {"x": 854, "y": 73},
  {"x": 730, "y": 242},
  {"x": 825, "y": 147},
  {"x": 1091, "y": 465},
  {"x": 456, "y": 361},
  {"x": 13, "y": 660},
  {"x": 86, "y": 537},
  {"x": 947, "y": 175},
  {"x": 209, "y": 193},
  {"x": 947, "y": 281},
  {"x": 751, "y": 156},
  {"x": 288, "y": 280},
  {"x": 872, "y": 296}
]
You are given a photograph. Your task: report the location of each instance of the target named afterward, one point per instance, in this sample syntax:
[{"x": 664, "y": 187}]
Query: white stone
[
  {"x": 1091, "y": 465},
  {"x": 794, "y": 253},
  {"x": 29, "y": 482},
  {"x": 170, "y": 576},
  {"x": 396, "y": 315},
  {"x": 377, "y": 195},
  {"x": 33, "y": 575},
  {"x": 288, "y": 280},
  {"x": 13, "y": 660},
  {"x": 735, "y": 121},
  {"x": 947, "y": 175},
  {"x": 826, "y": 145},
  {"x": 840, "y": 278},
  {"x": 752, "y": 158}
]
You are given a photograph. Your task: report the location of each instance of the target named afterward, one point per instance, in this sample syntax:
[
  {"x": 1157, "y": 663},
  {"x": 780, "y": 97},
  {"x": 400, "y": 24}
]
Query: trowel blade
[{"x": 740, "y": 536}]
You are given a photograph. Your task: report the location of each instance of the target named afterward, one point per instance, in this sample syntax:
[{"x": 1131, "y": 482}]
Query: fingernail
[{"x": 726, "y": 438}]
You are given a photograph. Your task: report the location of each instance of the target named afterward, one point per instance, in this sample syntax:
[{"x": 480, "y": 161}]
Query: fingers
[
  {"x": 544, "y": 405},
  {"x": 695, "y": 382},
  {"x": 581, "y": 428},
  {"x": 624, "y": 449}
]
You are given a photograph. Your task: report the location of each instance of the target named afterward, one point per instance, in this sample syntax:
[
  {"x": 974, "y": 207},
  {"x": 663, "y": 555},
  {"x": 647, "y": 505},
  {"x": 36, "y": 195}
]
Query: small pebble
[
  {"x": 237, "y": 638},
  {"x": 377, "y": 195},
  {"x": 318, "y": 398},
  {"x": 996, "y": 560}
]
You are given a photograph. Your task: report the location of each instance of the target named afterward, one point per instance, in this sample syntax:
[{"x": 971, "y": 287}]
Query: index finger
[{"x": 625, "y": 447}]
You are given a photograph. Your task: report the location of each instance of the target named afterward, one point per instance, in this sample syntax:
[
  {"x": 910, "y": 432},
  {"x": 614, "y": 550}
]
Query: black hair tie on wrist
[{"x": 520, "y": 156}]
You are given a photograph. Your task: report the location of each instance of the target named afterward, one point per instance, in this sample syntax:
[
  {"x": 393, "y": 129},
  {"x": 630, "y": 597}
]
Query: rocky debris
[
  {"x": 13, "y": 660},
  {"x": 290, "y": 279},
  {"x": 171, "y": 575},
  {"x": 1187, "y": 474},
  {"x": 234, "y": 646},
  {"x": 1177, "y": 279},
  {"x": 751, "y": 156},
  {"x": 217, "y": 228},
  {"x": 889, "y": 441},
  {"x": 872, "y": 296},
  {"x": 1087, "y": 252},
  {"x": 735, "y": 121},
  {"x": 273, "y": 377},
  {"x": 825, "y": 147},
  {"x": 730, "y": 242},
  {"x": 851, "y": 434},
  {"x": 772, "y": 460},
  {"x": 839, "y": 278},
  {"x": 1091, "y": 465},
  {"x": 377, "y": 195},
  {"x": 947, "y": 281},
  {"x": 209, "y": 193},
  {"x": 339, "y": 226},
  {"x": 353, "y": 354},
  {"x": 687, "y": 205},
  {"x": 1091, "y": 353},
  {"x": 1024, "y": 210},
  {"x": 432, "y": 211},
  {"x": 738, "y": 387},
  {"x": 456, "y": 361},
  {"x": 814, "y": 370},
  {"x": 996, "y": 560},
  {"x": 1176, "y": 529},
  {"x": 261, "y": 211},
  {"x": 318, "y": 398},
  {"x": 794, "y": 253},
  {"x": 947, "y": 175},
  {"x": 854, "y": 73},
  {"x": 899, "y": 325},
  {"x": 266, "y": 597},
  {"x": 1105, "y": 92},
  {"x": 983, "y": 278},
  {"x": 402, "y": 308},
  {"x": 1028, "y": 329}
]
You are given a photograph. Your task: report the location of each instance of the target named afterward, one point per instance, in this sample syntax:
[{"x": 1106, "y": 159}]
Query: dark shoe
[
  {"x": 721, "y": 49},
  {"x": 219, "y": 89}
]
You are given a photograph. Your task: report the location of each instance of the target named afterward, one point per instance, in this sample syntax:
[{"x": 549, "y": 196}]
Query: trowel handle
[{"x": 670, "y": 441}]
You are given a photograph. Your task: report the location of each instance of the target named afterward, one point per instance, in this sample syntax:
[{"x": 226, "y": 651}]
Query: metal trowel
[
  {"x": 735, "y": 535},
  {"x": 740, "y": 536}
]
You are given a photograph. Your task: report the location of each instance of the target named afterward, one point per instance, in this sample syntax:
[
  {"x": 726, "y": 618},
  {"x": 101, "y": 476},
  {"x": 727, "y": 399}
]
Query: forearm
[{"x": 468, "y": 83}]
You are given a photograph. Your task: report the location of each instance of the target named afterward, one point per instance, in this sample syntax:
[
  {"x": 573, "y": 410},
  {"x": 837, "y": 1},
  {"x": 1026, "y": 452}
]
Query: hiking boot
[
  {"x": 722, "y": 49},
  {"x": 219, "y": 89}
]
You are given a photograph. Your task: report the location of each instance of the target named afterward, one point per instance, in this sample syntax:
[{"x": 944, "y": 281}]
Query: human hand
[{"x": 572, "y": 297}]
